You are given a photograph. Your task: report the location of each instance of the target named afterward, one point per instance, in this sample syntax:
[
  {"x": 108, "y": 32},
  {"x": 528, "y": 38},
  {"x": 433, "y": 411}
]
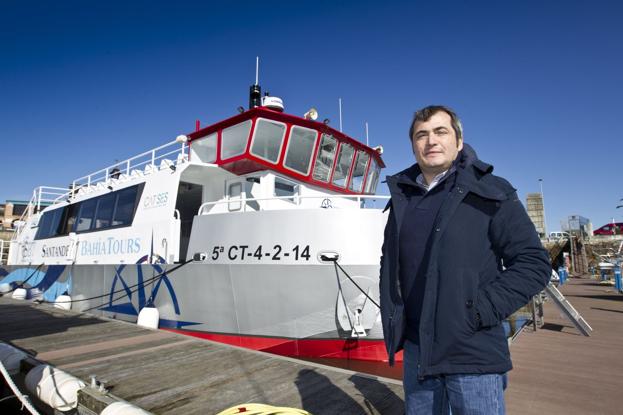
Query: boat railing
[
  {"x": 167, "y": 155},
  {"x": 143, "y": 163},
  {"x": 42, "y": 197},
  {"x": 363, "y": 201}
]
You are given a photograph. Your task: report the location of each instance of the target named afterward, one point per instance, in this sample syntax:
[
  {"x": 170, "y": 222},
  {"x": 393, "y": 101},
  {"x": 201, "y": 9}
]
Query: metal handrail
[
  {"x": 43, "y": 194},
  {"x": 148, "y": 157},
  {"x": 3, "y": 257},
  {"x": 297, "y": 199},
  {"x": 54, "y": 195}
]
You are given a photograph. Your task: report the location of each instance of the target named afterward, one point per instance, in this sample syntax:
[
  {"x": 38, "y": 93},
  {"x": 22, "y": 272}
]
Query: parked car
[
  {"x": 610, "y": 229},
  {"x": 558, "y": 235}
]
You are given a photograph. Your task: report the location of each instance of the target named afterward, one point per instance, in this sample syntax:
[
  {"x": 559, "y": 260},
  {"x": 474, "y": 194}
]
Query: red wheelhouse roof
[{"x": 247, "y": 162}]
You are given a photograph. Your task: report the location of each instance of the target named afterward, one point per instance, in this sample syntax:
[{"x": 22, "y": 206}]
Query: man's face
[{"x": 434, "y": 143}]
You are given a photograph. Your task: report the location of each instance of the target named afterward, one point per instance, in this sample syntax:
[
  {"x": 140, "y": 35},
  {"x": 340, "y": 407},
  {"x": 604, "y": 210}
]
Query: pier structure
[
  {"x": 557, "y": 370},
  {"x": 168, "y": 373}
]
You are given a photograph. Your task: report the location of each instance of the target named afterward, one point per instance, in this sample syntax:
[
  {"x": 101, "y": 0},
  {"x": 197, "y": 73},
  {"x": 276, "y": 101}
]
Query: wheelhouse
[{"x": 305, "y": 150}]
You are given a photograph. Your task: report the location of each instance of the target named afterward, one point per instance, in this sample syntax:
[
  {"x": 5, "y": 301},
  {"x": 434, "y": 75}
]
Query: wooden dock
[
  {"x": 559, "y": 371},
  {"x": 167, "y": 373},
  {"x": 556, "y": 369}
]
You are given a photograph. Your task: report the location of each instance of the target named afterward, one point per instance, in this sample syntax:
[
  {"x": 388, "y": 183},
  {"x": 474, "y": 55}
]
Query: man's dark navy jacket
[{"x": 480, "y": 226}]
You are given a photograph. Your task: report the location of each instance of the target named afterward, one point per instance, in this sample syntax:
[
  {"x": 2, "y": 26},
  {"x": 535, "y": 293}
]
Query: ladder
[{"x": 565, "y": 306}]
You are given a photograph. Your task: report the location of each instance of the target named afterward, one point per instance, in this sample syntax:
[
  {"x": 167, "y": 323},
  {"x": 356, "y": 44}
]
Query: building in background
[
  {"x": 534, "y": 206},
  {"x": 12, "y": 210},
  {"x": 579, "y": 226}
]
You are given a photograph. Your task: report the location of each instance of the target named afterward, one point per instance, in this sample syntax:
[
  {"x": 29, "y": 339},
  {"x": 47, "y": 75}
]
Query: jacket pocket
[{"x": 470, "y": 302}]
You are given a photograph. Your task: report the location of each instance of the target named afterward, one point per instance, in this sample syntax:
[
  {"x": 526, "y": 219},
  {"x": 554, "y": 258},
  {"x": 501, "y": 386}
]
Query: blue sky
[{"x": 538, "y": 86}]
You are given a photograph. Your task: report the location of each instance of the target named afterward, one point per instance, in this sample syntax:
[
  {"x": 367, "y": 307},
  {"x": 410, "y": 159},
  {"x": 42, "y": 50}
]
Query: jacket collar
[{"x": 472, "y": 174}]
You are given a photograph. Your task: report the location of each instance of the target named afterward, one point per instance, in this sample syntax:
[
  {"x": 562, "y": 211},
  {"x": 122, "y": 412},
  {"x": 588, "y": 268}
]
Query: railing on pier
[{"x": 326, "y": 201}]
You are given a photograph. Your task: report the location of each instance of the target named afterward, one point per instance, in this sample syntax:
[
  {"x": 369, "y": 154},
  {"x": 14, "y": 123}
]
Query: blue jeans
[{"x": 462, "y": 394}]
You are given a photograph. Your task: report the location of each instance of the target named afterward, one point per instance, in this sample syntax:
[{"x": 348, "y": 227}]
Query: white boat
[{"x": 261, "y": 231}]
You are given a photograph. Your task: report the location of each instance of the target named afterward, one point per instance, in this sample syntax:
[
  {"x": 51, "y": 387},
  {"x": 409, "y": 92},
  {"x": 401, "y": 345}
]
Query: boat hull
[{"x": 291, "y": 310}]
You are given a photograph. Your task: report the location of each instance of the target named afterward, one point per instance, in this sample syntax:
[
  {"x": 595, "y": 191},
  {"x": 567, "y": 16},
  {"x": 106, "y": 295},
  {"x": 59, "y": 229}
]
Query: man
[{"x": 460, "y": 255}]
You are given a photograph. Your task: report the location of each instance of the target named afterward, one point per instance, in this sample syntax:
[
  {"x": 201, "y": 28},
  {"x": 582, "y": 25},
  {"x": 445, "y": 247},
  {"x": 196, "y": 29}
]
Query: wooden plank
[
  {"x": 559, "y": 371},
  {"x": 165, "y": 372}
]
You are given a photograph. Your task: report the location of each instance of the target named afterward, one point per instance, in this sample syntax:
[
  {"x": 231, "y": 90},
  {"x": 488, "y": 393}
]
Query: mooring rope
[
  {"x": 133, "y": 288},
  {"x": 21, "y": 285},
  {"x": 353, "y": 281}
]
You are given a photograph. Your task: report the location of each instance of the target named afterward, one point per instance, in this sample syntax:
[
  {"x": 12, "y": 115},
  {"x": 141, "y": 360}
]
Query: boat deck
[
  {"x": 164, "y": 372},
  {"x": 557, "y": 370}
]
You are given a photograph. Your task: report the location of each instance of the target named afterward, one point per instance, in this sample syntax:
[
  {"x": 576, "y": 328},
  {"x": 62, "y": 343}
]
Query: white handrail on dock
[{"x": 296, "y": 198}]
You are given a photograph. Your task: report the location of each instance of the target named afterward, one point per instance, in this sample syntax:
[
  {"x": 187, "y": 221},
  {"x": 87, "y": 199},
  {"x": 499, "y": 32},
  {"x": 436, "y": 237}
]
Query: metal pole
[
  {"x": 340, "y": 103},
  {"x": 257, "y": 70},
  {"x": 533, "y": 309},
  {"x": 571, "y": 255},
  {"x": 543, "y": 202}
]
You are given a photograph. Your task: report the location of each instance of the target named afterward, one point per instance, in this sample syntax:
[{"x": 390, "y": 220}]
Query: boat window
[
  {"x": 268, "y": 139},
  {"x": 85, "y": 218},
  {"x": 49, "y": 224},
  {"x": 204, "y": 148},
  {"x": 342, "y": 168},
  {"x": 234, "y": 139},
  {"x": 324, "y": 160},
  {"x": 234, "y": 192},
  {"x": 285, "y": 188},
  {"x": 44, "y": 225},
  {"x": 373, "y": 177},
  {"x": 126, "y": 201},
  {"x": 361, "y": 162},
  {"x": 103, "y": 212},
  {"x": 300, "y": 149},
  {"x": 105, "y": 206},
  {"x": 69, "y": 218}
]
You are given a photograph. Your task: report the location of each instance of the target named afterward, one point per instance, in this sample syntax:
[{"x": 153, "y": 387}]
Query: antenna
[
  {"x": 367, "y": 142},
  {"x": 257, "y": 70},
  {"x": 340, "y": 104},
  {"x": 255, "y": 93}
]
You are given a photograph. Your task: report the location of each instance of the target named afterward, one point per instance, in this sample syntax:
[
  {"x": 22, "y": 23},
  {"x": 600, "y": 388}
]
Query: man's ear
[{"x": 460, "y": 145}]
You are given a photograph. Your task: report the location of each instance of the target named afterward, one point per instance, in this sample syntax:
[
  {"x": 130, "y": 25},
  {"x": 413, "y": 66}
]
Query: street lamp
[{"x": 543, "y": 202}]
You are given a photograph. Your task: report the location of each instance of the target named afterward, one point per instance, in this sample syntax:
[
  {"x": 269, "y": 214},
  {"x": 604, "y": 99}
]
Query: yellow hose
[{"x": 261, "y": 409}]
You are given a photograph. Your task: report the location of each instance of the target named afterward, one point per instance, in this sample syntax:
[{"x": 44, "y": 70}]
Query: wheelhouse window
[
  {"x": 342, "y": 168},
  {"x": 268, "y": 139},
  {"x": 300, "y": 149},
  {"x": 205, "y": 148},
  {"x": 373, "y": 177},
  {"x": 361, "y": 162},
  {"x": 324, "y": 160},
  {"x": 234, "y": 139}
]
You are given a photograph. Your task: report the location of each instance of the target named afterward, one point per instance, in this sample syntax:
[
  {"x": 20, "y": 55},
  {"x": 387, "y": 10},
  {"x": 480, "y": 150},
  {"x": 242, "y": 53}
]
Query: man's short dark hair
[{"x": 425, "y": 113}]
